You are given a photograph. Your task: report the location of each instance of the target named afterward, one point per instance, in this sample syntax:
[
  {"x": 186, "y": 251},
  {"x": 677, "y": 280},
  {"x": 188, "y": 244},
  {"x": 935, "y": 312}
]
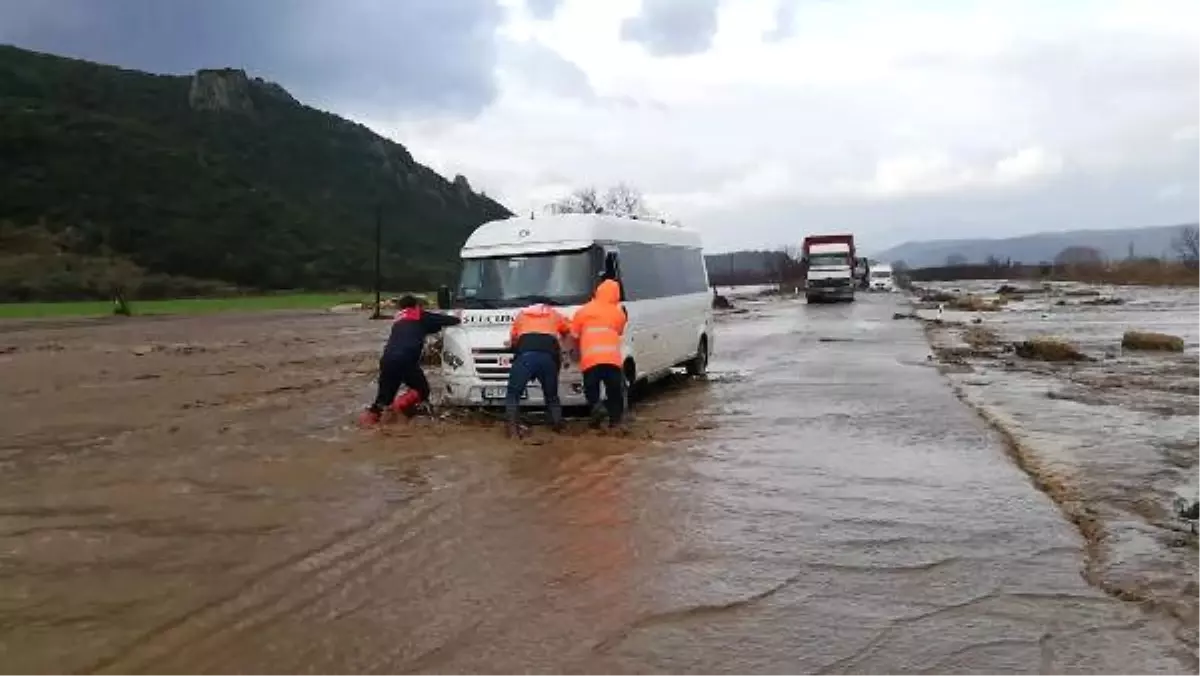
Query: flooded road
[
  {"x": 187, "y": 495},
  {"x": 1113, "y": 437}
]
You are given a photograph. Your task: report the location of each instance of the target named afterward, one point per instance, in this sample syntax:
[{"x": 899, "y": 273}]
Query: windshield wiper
[{"x": 533, "y": 298}]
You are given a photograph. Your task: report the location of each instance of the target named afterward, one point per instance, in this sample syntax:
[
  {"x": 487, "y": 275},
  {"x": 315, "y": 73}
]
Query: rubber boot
[
  {"x": 556, "y": 417},
  {"x": 512, "y": 425},
  {"x": 619, "y": 427},
  {"x": 369, "y": 418},
  {"x": 406, "y": 404},
  {"x": 597, "y": 416}
]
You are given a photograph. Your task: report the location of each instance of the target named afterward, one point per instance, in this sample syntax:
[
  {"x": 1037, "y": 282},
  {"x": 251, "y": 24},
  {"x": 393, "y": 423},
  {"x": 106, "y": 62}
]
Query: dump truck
[{"x": 829, "y": 265}]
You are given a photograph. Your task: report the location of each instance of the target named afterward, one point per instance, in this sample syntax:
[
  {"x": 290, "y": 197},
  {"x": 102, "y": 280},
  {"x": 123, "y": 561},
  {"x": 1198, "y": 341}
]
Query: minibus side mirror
[{"x": 443, "y": 297}]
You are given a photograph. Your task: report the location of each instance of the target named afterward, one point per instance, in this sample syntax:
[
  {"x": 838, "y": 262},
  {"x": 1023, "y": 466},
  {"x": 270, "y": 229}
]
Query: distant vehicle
[
  {"x": 881, "y": 277},
  {"x": 559, "y": 259},
  {"x": 862, "y": 273},
  {"x": 829, "y": 265}
]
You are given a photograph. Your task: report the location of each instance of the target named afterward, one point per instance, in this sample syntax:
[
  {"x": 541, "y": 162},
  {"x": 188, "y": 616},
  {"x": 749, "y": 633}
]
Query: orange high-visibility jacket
[
  {"x": 538, "y": 327},
  {"x": 599, "y": 325}
]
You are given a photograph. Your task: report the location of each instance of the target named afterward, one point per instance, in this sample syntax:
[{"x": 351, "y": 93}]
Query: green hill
[{"x": 216, "y": 177}]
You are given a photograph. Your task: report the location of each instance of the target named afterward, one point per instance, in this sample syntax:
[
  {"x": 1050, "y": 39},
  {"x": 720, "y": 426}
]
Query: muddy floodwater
[
  {"x": 189, "y": 495},
  {"x": 1112, "y": 437}
]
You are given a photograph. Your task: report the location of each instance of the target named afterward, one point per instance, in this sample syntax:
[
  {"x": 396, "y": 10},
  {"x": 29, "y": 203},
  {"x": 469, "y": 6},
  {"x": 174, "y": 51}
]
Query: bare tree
[
  {"x": 624, "y": 200},
  {"x": 621, "y": 199},
  {"x": 1187, "y": 245},
  {"x": 581, "y": 201}
]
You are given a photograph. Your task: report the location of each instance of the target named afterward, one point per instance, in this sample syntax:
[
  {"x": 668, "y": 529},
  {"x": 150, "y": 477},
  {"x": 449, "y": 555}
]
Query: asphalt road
[{"x": 823, "y": 503}]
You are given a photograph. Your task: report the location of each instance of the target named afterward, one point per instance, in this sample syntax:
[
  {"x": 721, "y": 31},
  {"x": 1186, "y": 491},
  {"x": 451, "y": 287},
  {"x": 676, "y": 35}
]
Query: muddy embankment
[{"x": 1096, "y": 389}]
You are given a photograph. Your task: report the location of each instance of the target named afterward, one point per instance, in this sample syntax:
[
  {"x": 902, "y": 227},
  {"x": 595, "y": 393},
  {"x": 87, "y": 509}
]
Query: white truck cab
[
  {"x": 829, "y": 263},
  {"x": 881, "y": 277},
  {"x": 559, "y": 259}
]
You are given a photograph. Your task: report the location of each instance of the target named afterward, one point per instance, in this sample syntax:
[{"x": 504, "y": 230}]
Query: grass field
[{"x": 191, "y": 306}]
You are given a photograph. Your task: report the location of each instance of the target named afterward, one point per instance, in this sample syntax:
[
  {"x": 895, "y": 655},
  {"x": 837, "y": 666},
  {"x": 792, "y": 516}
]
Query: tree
[
  {"x": 1079, "y": 255},
  {"x": 621, "y": 199},
  {"x": 282, "y": 198},
  {"x": 1187, "y": 245},
  {"x": 954, "y": 260},
  {"x": 787, "y": 263},
  {"x": 582, "y": 201},
  {"x": 624, "y": 200}
]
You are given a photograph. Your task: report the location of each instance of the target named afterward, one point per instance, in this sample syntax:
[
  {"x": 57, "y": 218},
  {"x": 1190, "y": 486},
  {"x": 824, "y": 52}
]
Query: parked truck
[{"x": 829, "y": 268}]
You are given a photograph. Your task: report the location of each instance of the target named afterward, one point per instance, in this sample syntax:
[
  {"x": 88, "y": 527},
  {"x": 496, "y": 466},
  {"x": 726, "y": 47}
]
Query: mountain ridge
[
  {"x": 217, "y": 176},
  {"x": 1150, "y": 241}
]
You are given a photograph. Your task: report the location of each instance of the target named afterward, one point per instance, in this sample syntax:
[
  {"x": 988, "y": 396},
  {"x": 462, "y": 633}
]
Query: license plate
[{"x": 499, "y": 392}]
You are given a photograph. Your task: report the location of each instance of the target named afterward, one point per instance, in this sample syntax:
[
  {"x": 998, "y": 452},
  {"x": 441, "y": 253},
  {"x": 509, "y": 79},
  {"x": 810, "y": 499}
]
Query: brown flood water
[
  {"x": 188, "y": 495},
  {"x": 1114, "y": 438}
]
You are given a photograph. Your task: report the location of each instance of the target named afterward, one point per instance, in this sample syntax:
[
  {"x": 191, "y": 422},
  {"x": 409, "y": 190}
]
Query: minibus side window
[{"x": 612, "y": 268}]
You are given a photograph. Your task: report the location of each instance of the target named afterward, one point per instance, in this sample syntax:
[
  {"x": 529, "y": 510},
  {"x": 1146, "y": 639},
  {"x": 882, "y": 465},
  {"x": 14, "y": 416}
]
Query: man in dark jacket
[{"x": 401, "y": 360}]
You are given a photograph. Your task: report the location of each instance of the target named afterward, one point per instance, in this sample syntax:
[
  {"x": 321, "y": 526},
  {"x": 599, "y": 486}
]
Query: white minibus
[{"x": 559, "y": 259}]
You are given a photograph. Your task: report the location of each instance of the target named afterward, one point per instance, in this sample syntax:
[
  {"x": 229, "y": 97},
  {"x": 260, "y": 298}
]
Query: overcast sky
[{"x": 755, "y": 121}]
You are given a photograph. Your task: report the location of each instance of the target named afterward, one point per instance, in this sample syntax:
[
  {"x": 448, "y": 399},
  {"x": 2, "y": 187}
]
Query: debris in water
[
  {"x": 979, "y": 337},
  {"x": 973, "y": 303},
  {"x": 1047, "y": 348},
  {"x": 1149, "y": 340},
  {"x": 936, "y": 297}
]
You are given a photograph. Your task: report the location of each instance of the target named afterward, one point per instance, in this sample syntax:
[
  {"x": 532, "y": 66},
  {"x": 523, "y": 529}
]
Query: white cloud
[
  {"x": 1170, "y": 192},
  {"x": 995, "y": 115},
  {"x": 1189, "y": 134}
]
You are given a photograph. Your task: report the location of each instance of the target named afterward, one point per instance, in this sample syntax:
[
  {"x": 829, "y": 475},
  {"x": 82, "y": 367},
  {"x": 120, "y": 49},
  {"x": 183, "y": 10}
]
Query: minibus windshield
[{"x": 554, "y": 278}]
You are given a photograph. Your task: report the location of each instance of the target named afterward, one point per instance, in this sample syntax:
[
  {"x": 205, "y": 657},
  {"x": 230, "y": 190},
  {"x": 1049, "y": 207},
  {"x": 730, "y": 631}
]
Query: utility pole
[{"x": 378, "y": 253}]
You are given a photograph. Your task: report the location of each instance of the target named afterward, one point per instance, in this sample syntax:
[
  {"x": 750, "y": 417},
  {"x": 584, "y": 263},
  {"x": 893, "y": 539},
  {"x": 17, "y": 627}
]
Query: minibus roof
[{"x": 569, "y": 232}]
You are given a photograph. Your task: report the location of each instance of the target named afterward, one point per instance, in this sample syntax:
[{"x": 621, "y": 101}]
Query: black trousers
[
  {"x": 396, "y": 370},
  {"x": 614, "y": 390},
  {"x": 539, "y": 366}
]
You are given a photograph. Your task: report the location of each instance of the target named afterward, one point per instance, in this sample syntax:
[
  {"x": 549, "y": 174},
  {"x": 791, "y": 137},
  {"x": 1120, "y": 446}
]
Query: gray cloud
[
  {"x": 785, "y": 20},
  {"x": 543, "y": 9},
  {"x": 1125, "y": 199},
  {"x": 545, "y": 69},
  {"x": 413, "y": 55},
  {"x": 673, "y": 27}
]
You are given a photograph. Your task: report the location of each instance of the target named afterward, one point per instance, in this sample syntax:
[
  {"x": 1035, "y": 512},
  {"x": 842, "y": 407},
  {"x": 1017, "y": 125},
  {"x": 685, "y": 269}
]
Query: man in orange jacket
[
  {"x": 537, "y": 355},
  {"x": 599, "y": 326}
]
